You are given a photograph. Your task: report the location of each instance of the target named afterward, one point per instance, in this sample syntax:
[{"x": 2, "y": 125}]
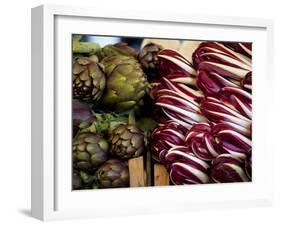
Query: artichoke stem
[
  {"x": 85, "y": 47},
  {"x": 132, "y": 119}
]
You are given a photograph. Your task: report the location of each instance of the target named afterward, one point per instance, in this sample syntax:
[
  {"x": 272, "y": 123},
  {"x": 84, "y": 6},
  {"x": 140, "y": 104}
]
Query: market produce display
[{"x": 165, "y": 112}]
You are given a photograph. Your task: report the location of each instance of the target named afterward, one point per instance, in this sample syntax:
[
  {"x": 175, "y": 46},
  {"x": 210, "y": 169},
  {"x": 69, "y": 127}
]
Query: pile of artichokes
[{"x": 109, "y": 90}]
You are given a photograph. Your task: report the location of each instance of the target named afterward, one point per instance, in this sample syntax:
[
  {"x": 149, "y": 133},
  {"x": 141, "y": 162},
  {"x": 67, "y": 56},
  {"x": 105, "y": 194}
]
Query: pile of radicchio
[{"x": 204, "y": 111}]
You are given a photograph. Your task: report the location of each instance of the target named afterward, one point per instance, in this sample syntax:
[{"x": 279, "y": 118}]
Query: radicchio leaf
[
  {"x": 216, "y": 111},
  {"x": 227, "y": 168},
  {"x": 186, "y": 168},
  {"x": 171, "y": 62},
  {"x": 211, "y": 83},
  {"x": 201, "y": 141},
  {"x": 217, "y": 58},
  {"x": 244, "y": 48},
  {"x": 231, "y": 141},
  {"x": 165, "y": 137}
]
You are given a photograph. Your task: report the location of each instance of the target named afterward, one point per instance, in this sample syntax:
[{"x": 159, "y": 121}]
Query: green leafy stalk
[{"x": 90, "y": 48}]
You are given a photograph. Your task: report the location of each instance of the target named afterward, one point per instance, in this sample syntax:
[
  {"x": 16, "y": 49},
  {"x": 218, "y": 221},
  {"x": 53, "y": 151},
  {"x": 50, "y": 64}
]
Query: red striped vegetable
[
  {"x": 179, "y": 102},
  {"x": 185, "y": 168},
  {"x": 231, "y": 141},
  {"x": 216, "y": 111},
  {"x": 227, "y": 168},
  {"x": 238, "y": 99},
  {"x": 165, "y": 137},
  {"x": 202, "y": 142},
  {"x": 248, "y": 165},
  {"x": 210, "y": 83},
  {"x": 217, "y": 58},
  {"x": 247, "y": 82},
  {"x": 204, "y": 110},
  {"x": 171, "y": 62},
  {"x": 239, "y": 47}
]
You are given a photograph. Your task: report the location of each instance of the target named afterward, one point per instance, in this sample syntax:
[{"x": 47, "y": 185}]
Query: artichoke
[
  {"x": 89, "y": 151},
  {"x": 76, "y": 180},
  {"x": 126, "y": 83},
  {"x": 149, "y": 59},
  {"x": 81, "y": 113},
  {"x": 82, "y": 180},
  {"x": 88, "y": 180},
  {"x": 117, "y": 49},
  {"x": 112, "y": 174},
  {"x": 88, "y": 80},
  {"x": 127, "y": 141}
]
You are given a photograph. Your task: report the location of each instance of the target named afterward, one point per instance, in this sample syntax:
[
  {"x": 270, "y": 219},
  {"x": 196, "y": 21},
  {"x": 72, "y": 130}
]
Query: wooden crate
[{"x": 144, "y": 173}]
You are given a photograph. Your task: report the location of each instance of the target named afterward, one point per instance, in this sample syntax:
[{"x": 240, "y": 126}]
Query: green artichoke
[
  {"x": 83, "y": 180},
  {"x": 127, "y": 141},
  {"x": 112, "y": 174},
  {"x": 126, "y": 83},
  {"x": 89, "y": 151},
  {"x": 88, "y": 80},
  {"x": 88, "y": 180},
  {"x": 149, "y": 59},
  {"x": 117, "y": 49}
]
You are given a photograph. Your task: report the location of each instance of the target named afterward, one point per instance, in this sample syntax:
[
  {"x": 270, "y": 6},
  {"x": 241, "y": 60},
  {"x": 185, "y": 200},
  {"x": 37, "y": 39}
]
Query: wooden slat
[
  {"x": 148, "y": 169},
  {"x": 161, "y": 176},
  {"x": 137, "y": 172}
]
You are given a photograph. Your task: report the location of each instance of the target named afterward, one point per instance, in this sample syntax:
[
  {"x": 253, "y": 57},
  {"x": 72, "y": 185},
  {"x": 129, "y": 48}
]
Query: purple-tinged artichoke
[
  {"x": 227, "y": 168},
  {"x": 127, "y": 141},
  {"x": 217, "y": 58},
  {"x": 88, "y": 80},
  {"x": 165, "y": 137},
  {"x": 112, "y": 174},
  {"x": 89, "y": 151},
  {"x": 81, "y": 112},
  {"x": 186, "y": 168},
  {"x": 149, "y": 59}
]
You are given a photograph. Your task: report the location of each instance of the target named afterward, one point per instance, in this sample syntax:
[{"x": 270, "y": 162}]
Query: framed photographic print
[{"x": 133, "y": 113}]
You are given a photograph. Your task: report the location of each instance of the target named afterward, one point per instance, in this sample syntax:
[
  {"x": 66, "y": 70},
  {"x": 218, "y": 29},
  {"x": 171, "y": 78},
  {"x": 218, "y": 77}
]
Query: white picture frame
[{"x": 52, "y": 197}]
